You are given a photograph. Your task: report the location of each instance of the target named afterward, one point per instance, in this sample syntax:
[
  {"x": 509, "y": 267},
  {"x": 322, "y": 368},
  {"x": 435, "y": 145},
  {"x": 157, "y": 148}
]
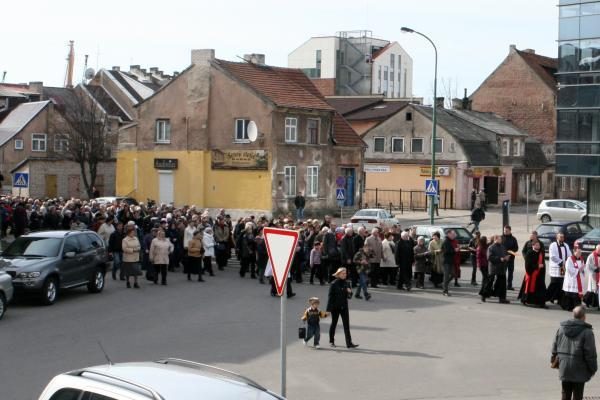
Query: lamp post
[{"x": 434, "y": 120}]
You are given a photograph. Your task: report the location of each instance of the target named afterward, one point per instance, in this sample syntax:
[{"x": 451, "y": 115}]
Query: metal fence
[{"x": 404, "y": 199}]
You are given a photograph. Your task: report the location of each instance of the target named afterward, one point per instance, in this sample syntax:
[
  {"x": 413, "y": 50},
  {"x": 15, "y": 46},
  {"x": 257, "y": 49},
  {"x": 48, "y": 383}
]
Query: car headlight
[{"x": 29, "y": 275}]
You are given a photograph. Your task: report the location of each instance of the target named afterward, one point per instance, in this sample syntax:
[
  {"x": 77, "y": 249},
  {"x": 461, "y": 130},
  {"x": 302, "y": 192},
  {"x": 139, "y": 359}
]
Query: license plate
[{"x": 589, "y": 247}]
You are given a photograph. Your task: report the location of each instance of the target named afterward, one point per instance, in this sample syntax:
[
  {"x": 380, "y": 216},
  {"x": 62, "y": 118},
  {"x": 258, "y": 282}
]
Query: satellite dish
[
  {"x": 252, "y": 131},
  {"x": 89, "y": 73}
]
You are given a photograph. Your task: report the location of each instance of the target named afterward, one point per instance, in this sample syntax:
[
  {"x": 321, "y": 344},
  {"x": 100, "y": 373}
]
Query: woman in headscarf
[
  {"x": 160, "y": 249},
  {"x": 131, "y": 256},
  {"x": 208, "y": 242},
  {"x": 437, "y": 260},
  {"x": 337, "y": 305},
  {"x": 421, "y": 254},
  {"x": 195, "y": 253}
]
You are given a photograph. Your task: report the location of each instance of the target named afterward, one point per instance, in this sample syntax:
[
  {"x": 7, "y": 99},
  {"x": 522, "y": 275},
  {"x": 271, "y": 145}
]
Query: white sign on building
[{"x": 377, "y": 168}]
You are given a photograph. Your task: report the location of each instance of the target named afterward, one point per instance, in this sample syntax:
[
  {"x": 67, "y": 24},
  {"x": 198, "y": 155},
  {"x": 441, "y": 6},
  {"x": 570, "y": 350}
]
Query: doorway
[
  {"x": 490, "y": 185},
  {"x": 166, "y": 187},
  {"x": 350, "y": 175},
  {"x": 51, "y": 190}
]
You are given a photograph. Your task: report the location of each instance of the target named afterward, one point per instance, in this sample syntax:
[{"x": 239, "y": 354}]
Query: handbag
[
  {"x": 221, "y": 246},
  {"x": 302, "y": 332},
  {"x": 554, "y": 362}
]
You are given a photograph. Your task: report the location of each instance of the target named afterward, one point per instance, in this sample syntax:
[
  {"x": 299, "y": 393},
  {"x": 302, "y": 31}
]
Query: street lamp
[{"x": 433, "y": 129}]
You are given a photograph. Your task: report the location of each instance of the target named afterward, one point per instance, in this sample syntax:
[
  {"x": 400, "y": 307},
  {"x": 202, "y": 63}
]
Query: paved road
[{"x": 416, "y": 345}]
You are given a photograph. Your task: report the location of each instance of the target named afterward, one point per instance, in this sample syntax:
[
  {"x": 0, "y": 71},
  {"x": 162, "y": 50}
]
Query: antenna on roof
[
  {"x": 244, "y": 59},
  {"x": 105, "y": 354},
  {"x": 3, "y": 76}
]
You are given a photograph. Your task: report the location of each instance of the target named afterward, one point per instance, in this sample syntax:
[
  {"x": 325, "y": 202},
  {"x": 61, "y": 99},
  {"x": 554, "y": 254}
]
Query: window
[
  {"x": 572, "y": 183},
  {"x": 538, "y": 182},
  {"x": 502, "y": 184},
  {"x": 563, "y": 183},
  {"x": 312, "y": 181},
  {"x": 379, "y": 144},
  {"x": 409, "y": 116},
  {"x": 71, "y": 245},
  {"x": 318, "y": 63},
  {"x": 289, "y": 173},
  {"x": 397, "y": 145},
  {"x": 18, "y": 144},
  {"x": 163, "y": 131},
  {"x": 66, "y": 394},
  {"x": 516, "y": 147},
  {"x": 291, "y": 130},
  {"x": 505, "y": 147},
  {"x": 583, "y": 183},
  {"x": 549, "y": 183},
  {"x": 416, "y": 145},
  {"x": 61, "y": 144},
  {"x": 439, "y": 145},
  {"x": 392, "y": 60},
  {"x": 241, "y": 130},
  {"x": 38, "y": 142},
  {"x": 312, "y": 131}
]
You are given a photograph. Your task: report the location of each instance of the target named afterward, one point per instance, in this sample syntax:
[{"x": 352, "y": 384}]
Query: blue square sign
[
  {"x": 340, "y": 194},
  {"x": 21, "y": 180},
  {"x": 432, "y": 187}
]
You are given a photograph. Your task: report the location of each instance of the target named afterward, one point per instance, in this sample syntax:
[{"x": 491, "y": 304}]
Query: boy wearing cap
[{"x": 313, "y": 316}]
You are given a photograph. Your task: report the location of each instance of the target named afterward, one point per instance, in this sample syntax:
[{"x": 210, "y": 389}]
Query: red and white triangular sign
[{"x": 281, "y": 246}]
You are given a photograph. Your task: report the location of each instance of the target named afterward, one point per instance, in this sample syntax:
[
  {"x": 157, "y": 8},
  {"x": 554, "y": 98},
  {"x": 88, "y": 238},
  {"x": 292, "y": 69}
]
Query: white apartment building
[{"x": 355, "y": 64}]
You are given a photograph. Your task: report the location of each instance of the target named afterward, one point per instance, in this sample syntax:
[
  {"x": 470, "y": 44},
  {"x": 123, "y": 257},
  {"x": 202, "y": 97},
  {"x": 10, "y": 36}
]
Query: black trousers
[
  {"x": 500, "y": 287},
  {"x": 248, "y": 263},
  {"x": 208, "y": 265},
  {"x": 162, "y": 270},
  {"x": 474, "y": 265},
  {"x": 335, "y": 315},
  {"x": 404, "y": 276},
  {"x": 317, "y": 269},
  {"x": 554, "y": 291},
  {"x": 572, "y": 390},
  {"x": 511, "y": 269},
  {"x": 221, "y": 256},
  {"x": 375, "y": 271}
]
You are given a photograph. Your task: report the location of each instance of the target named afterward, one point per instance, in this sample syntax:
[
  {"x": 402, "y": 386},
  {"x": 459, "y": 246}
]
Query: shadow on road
[{"x": 363, "y": 351}]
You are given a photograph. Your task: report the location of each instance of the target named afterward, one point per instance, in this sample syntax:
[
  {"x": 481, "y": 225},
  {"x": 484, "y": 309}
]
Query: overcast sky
[{"x": 472, "y": 36}]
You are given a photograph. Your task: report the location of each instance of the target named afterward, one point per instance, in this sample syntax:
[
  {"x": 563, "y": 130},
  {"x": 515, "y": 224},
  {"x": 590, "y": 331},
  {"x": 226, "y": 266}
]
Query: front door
[
  {"x": 490, "y": 185},
  {"x": 514, "y": 195},
  {"x": 51, "y": 186},
  {"x": 73, "y": 187},
  {"x": 166, "y": 187},
  {"x": 349, "y": 174}
]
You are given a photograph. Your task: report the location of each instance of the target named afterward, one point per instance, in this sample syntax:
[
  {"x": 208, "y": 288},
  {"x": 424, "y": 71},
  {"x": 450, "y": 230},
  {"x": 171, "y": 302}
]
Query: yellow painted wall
[
  {"x": 195, "y": 182},
  {"x": 405, "y": 177}
]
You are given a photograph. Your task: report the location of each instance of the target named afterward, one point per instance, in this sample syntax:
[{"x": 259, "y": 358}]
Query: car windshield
[
  {"x": 366, "y": 213},
  {"x": 594, "y": 233},
  {"x": 462, "y": 233},
  {"x": 548, "y": 229},
  {"x": 33, "y": 247}
]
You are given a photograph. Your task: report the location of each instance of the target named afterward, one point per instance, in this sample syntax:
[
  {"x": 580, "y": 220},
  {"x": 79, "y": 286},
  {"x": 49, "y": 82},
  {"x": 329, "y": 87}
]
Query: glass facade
[{"x": 578, "y": 104}]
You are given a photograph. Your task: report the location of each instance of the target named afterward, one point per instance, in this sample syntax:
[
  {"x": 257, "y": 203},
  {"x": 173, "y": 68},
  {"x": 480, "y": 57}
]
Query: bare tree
[{"x": 84, "y": 135}]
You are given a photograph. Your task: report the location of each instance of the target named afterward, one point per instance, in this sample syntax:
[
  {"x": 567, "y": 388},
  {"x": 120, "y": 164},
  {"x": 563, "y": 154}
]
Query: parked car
[
  {"x": 573, "y": 230},
  {"x": 46, "y": 262},
  {"x": 6, "y": 292},
  {"x": 563, "y": 210},
  {"x": 589, "y": 241},
  {"x": 374, "y": 217},
  {"x": 170, "y": 379},
  {"x": 462, "y": 235},
  {"x": 109, "y": 200}
]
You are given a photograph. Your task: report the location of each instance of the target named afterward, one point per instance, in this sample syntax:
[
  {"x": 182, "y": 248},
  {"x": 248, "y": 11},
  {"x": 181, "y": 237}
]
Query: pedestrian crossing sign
[
  {"x": 431, "y": 187},
  {"x": 21, "y": 180},
  {"x": 340, "y": 194}
]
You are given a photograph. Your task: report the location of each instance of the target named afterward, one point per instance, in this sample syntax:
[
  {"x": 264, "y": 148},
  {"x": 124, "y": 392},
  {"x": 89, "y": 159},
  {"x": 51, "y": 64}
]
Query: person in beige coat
[
  {"x": 160, "y": 248},
  {"x": 374, "y": 243},
  {"x": 131, "y": 256},
  {"x": 195, "y": 253}
]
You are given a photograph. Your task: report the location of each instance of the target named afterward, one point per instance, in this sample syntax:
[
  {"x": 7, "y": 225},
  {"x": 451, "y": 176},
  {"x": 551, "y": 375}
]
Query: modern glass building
[{"x": 578, "y": 108}]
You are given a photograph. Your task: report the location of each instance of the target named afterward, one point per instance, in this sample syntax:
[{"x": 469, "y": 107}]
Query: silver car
[
  {"x": 562, "y": 210},
  {"x": 6, "y": 292},
  {"x": 170, "y": 379},
  {"x": 373, "y": 218}
]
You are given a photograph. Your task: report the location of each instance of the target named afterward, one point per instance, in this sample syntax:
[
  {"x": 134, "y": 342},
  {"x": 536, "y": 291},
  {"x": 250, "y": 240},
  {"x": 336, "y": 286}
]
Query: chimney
[
  {"x": 439, "y": 102},
  {"x": 153, "y": 69},
  {"x": 202, "y": 56},
  {"x": 466, "y": 102},
  {"x": 530, "y": 51},
  {"x": 258, "y": 59},
  {"x": 512, "y": 49},
  {"x": 457, "y": 104},
  {"x": 37, "y": 87},
  {"x": 116, "y": 68}
]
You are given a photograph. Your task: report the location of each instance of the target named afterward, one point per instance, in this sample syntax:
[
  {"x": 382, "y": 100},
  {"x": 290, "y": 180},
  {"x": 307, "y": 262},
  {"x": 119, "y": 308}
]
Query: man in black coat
[
  {"x": 405, "y": 257},
  {"x": 511, "y": 246},
  {"x": 330, "y": 259},
  {"x": 299, "y": 202},
  {"x": 347, "y": 251}
]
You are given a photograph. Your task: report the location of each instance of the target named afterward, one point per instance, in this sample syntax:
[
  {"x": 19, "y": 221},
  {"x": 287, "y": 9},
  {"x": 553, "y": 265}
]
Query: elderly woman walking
[
  {"x": 195, "y": 253},
  {"x": 421, "y": 255},
  {"x": 131, "y": 256},
  {"x": 437, "y": 260},
  {"x": 388, "y": 262},
  {"x": 160, "y": 249},
  {"x": 208, "y": 242}
]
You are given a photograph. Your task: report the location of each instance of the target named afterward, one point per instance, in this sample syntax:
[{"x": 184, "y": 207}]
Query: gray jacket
[
  {"x": 575, "y": 347},
  {"x": 494, "y": 253}
]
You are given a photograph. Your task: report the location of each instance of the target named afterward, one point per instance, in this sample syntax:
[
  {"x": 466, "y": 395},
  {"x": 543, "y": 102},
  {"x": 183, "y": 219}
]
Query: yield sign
[{"x": 281, "y": 246}]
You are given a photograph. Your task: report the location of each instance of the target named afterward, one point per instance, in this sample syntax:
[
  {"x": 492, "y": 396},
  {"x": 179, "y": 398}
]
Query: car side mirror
[{"x": 70, "y": 254}]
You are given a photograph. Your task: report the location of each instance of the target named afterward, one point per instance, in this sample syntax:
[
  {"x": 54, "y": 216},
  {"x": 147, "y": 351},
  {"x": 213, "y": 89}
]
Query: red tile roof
[
  {"x": 286, "y": 87},
  {"x": 381, "y": 51},
  {"x": 344, "y": 134},
  {"x": 545, "y": 67}
]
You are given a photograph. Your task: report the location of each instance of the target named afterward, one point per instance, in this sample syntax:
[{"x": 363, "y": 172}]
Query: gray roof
[
  {"x": 4, "y": 92},
  {"x": 19, "y": 118},
  {"x": 490, "y": 121},
  {"x": 534, "y": 155}
]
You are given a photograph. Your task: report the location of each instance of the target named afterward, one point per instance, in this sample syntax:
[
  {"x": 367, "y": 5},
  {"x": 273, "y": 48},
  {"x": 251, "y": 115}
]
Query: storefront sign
[
  {"x": 377, "y": 168},
  {"x": 439, "y": 171},
  {"x": 165, "y": 163},
  {"x": 240, "y": 159}
]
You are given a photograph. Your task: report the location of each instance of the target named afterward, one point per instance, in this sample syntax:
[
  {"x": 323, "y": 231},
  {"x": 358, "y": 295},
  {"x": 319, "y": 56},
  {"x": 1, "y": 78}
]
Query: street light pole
[{"x": 434, "y": 120}]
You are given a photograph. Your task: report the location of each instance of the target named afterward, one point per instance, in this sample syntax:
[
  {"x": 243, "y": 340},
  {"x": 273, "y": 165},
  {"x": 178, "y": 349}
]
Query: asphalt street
[{"x": 416, "y": 345}]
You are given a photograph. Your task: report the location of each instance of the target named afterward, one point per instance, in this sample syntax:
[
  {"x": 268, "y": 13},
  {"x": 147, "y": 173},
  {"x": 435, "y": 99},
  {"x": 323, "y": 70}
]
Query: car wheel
[
  {"x": 2, "y": 305},
  {"x": 49, "y": 291},
  {"x": 97, "y": 283},
  {"x": 545, "y": 218}
]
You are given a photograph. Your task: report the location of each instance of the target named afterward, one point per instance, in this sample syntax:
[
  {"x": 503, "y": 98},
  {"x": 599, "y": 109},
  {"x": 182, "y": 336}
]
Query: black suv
[{"x": 45, "y": 262}]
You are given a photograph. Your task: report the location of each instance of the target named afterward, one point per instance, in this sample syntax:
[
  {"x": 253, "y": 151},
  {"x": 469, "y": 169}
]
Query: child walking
[
  {"x": 315, "y": 264},
  {"x": 313, "y": 316}
]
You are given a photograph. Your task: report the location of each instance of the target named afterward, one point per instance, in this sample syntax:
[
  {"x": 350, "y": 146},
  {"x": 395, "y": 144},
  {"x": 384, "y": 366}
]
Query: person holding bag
[
  {"x": 131, "y": 256},
  {"x": 337, "y": 305}
]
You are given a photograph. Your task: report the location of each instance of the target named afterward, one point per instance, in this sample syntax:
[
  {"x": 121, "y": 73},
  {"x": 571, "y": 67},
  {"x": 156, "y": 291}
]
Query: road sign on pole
[
  {"x": 340, "y": 181},
  {"x": 340, "y": 194},
  {"x": 431, "y": 187},
  {"x": 21, "y": 180},
  {"x": 281, "y": 246}
]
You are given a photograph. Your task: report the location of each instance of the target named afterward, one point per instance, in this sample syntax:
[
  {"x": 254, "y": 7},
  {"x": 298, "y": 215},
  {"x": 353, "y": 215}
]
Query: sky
[{"x": 472, "y": 36}]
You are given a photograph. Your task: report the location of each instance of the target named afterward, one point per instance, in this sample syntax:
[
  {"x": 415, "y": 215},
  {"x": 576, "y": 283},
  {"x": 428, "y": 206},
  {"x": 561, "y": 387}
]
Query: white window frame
[
  {"x": 61, "y": 144},
  {"x": 291, "y": 130},
  {"x": 516, "y": 148},
  {"x": 289, "y": 174},
  {"x": 375, "y": 146},
  {"x": 505, "y": 151},
  {"x": 162, "y": 131},
  {"x": 441, "y": 147},
  {"x": 392, "y": 144},
  {"x": 563, "y": 183},
  {"x": 308, "y": 136},
  {"x": 39, "y": 141},
  {"x": 19, "y": 145},
  {"x": 244, "y": 138},
  {"x": 412, "y": 142},
  {"x": 312, "y": 181}
]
